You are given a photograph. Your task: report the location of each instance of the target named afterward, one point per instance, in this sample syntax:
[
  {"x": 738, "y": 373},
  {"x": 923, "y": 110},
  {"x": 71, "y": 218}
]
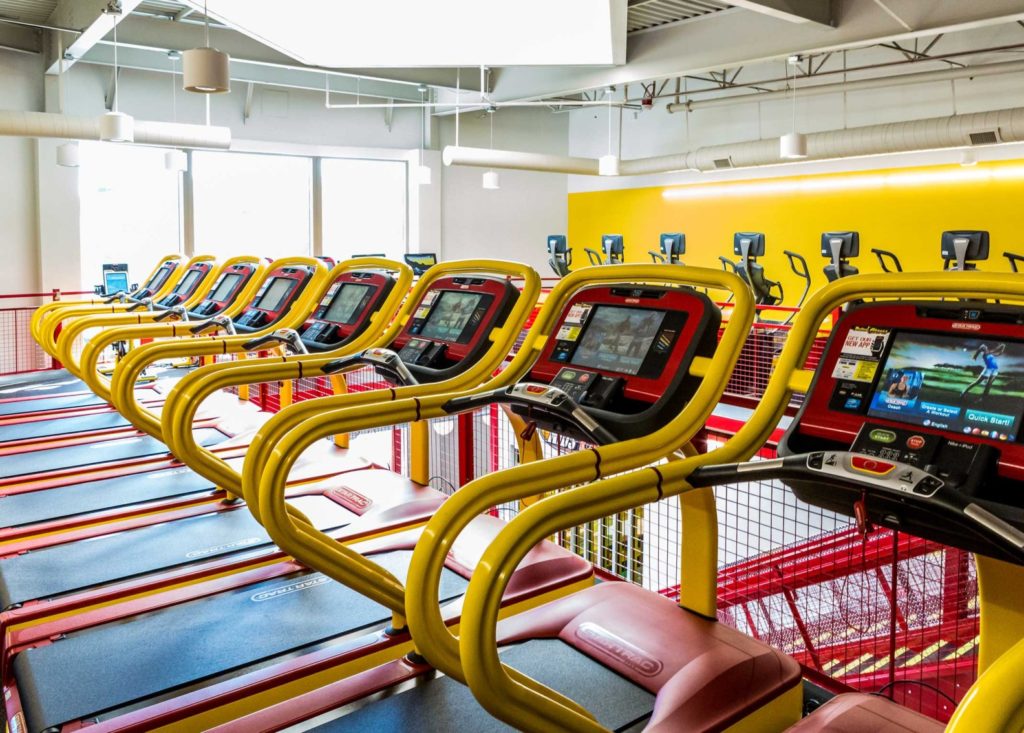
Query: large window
[
  {"x": 365, "y": 209},
  {"x": 130, "y": 209},
  {"x": 252, "y": 204}
]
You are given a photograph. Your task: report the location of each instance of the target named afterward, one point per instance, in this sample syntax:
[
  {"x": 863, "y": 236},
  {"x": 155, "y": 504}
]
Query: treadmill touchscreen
[
  {"x": 275, "y": 294},
  {"x": 115, "y": 282},
  {"x": 347, "y": 304},
  {"x": 618, "y": 339},
  {"x": 448, "y": 318},
  {"x": 965, "y": 385},
  {"x": 187, "y": 282},
  {"x": 225, "y": 286}
]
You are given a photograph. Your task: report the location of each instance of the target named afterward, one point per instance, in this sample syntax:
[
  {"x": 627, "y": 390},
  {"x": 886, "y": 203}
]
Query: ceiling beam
[
  {"x": 91, "y": 18},
  {"x": 709, "y": 43},
  {"x": 793, "y": 11}
]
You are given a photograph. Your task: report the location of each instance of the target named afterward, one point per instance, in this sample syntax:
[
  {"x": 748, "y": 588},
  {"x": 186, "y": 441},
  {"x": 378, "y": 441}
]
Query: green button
[{"x": 883, "y": 436}]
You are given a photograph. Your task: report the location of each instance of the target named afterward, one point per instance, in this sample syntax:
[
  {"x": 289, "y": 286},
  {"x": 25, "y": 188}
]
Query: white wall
[
  {"x": 512, "y": 222},
  {"x": 21, "y": 88}
]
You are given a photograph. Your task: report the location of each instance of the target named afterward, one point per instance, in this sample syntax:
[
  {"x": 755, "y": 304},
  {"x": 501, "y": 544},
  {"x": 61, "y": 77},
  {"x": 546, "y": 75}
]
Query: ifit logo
[{"x": 305, "y": 584}]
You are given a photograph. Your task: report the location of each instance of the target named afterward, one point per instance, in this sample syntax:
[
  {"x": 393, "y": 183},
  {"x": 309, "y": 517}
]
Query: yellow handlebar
[
  {"x": 190, "y": 392},
  {"x": 122, "y": 384},
  {"x": 527, "y": 704}
]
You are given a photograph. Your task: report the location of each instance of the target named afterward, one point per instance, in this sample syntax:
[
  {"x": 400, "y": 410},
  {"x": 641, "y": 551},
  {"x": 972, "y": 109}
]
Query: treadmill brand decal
[
  {"x": 619, "y": 649},
  {"x": 222, "y": 548},
  {"x": 305, "y": 584}
]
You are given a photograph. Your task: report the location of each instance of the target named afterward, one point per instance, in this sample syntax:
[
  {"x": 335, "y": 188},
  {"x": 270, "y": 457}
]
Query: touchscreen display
[
  {"x": 966, "y": 385},
  {"x": 449, "y": 316},
  {"x": 225, "y": 286},
  {"x": 347, "y": 304},
  {"x": 158, "y": 279},
  {"x": 187, "y": 282},
  {"x": 115, "y": 282},
  {"x": 279, "y": 289},
  {"x": 618, "y": 339}
]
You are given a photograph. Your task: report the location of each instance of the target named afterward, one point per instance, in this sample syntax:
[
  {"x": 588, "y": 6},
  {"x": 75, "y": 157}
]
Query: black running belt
[
  {"x": 109, "y": 451},
  {"x": 59, "y": 502},
  {"x": 109, "y": 666},
  {"x": 59, "y": 426},
  {"x": 75, "y": 566},
  {"x": 443, "y": 705},
  {"x": 48, "y": 404}
]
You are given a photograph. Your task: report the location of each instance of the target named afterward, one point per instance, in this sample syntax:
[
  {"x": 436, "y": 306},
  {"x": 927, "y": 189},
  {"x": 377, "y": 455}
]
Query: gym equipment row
[{"x": 334, "y": 597}]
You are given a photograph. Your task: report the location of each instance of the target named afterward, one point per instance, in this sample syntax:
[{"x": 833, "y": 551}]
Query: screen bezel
[
  {"x": 592, "y": 318},
  {"x": 230, "y": 280},
  {"x": 435, "y": 309},
  {"x": 115, "y": 281},
  {"x": 188, "y": 282}
]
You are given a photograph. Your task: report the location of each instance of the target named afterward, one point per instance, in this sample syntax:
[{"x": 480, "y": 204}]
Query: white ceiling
[{"x": 29, "y": 11}]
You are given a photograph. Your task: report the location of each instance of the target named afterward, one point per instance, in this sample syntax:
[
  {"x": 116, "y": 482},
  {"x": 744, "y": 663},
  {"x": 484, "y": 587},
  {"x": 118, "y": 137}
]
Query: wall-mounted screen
[
  {"x": 225, "y": 286},
  {"x": 618, "y": 339},
  {"x": 965, "y": 385},
  {"x": 348, "y": 303},
  {"x": 279, "y": 289},
  {"x": 449, "y": 316},
  {"x": 188, "y": 282}
]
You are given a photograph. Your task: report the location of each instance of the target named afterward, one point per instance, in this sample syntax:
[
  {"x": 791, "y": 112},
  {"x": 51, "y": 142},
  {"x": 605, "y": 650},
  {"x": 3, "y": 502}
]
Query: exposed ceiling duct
[
  {"x": 957, "y": 131},
  {"x": 48, "y": 124}
]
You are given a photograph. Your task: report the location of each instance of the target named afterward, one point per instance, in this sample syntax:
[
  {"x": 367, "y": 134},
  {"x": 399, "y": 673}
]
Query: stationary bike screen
[{"x": 965, "y": 385}]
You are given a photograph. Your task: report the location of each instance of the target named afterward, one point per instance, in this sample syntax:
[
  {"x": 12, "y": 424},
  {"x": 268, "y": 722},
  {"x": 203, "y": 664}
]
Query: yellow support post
[{"x": 419, "y": 452}]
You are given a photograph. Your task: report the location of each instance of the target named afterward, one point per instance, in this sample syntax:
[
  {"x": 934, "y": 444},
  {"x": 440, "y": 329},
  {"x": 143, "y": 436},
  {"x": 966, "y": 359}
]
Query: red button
[
  {"x": 871, "y": 465},
  {"x": 535, "y": 389},
  {"x": 915, "y": 442}
]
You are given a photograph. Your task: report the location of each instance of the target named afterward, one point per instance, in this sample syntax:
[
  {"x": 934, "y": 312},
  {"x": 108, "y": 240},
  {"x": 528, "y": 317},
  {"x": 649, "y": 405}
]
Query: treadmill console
[
  {"x": 923, "y": 401},
  {"x": 224, "y": 292},
  {"x": 450, "y": 326},
  {"x": 156, "y": 282},
  {"x": 344, "y": 311},
  {"x": 623, "y": 355},
  {"x": 187, "y": 286},
  {"x": 281, "y": 288}
]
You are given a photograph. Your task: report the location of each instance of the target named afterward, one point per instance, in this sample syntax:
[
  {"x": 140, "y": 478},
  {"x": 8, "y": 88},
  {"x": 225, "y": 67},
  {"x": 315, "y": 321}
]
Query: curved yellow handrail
[
  {"x": 97, "y": 345},
  {"x": 36, "y": 321},
  {"x": 129, "y": 369},
  {"x": 361, "y": 573},
  {"x": 50, "y": 319},
  {"x": 185, "y": 399},
  {"x": 75, "y": 325},
  {"x": 528, "y": 705},
  {"x": 994, "y": 703}
]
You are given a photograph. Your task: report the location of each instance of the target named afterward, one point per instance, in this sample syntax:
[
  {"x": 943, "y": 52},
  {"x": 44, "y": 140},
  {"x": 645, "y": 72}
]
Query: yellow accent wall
[{"x": 902, "y": 210}]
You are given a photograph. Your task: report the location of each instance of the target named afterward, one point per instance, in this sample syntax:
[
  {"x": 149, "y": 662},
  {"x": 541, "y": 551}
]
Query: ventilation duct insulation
[
  {"x": 935, "y": 133},
  {"x": 170, "y": 134}
]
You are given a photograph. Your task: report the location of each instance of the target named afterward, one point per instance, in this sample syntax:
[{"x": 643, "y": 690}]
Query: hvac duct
[
  {"x": 513, "y": 160},
  {"x": 48, "y": 124},
  {"x": 1006, "y": 67},
  {"x": 894, "y": 137}
]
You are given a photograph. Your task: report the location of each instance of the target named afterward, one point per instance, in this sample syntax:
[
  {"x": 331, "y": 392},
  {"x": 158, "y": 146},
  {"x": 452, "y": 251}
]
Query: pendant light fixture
[
  {"x": 423, "y": 173},
  {"x": 67, "y": 154},
  {"x": 490, "y": 178},
  {"x": 206, "y": 70},
  {"x": 116, "y": 126},
  {"x": 608, "y": 165},
  {"x": 175, "y": 160},
  {"x": 793, "y": 145}
]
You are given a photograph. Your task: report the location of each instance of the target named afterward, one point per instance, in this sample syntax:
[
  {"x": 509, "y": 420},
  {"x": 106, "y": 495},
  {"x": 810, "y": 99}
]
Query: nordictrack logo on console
[{"x": 305, "y": 584}]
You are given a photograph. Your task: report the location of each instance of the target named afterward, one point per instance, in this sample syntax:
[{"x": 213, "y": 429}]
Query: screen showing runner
[
  {"x": 448, "y": 318},
  {"x": 618, "y": 339},
  {"x": 966, "y": 385}
]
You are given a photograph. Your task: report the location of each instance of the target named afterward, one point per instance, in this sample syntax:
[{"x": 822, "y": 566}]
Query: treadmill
[
  {"x": 38, "y": 484},
  {"x": 651, "y": 386},
  {"x": 462, "y": 323},
  {"x": 908, "y": 461},
  {"x": 672, "y": 249},
  {"x": 70, "y": 394}
]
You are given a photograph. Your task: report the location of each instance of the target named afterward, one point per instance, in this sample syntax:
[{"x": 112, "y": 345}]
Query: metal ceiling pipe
[
  {"x": 49, "y": 124},
  {"x": 514, "y": 160},
  {"x": 1005, "y": 67}
]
